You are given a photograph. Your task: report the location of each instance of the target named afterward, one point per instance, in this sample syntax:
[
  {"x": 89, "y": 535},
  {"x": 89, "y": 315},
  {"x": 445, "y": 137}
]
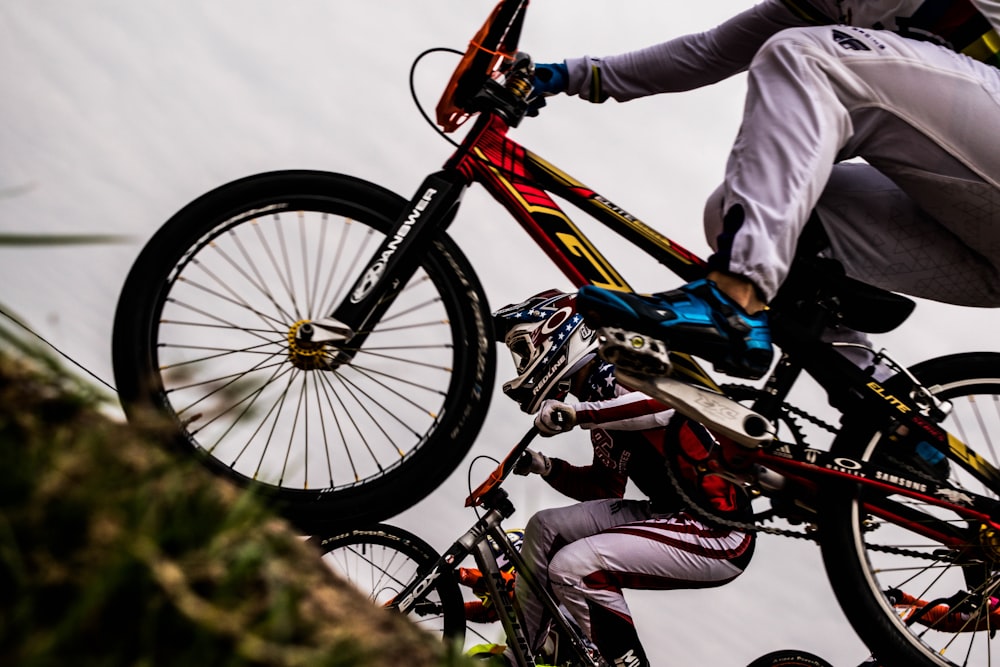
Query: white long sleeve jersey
[{"x": 692, "y": 61}]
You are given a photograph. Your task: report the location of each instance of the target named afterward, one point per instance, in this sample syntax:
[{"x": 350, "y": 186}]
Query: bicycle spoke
[
  {"x": 280, "y": 274},
  {"x": 258, "y": 282},
  {"x": 217, "y": 319},
  {"x": 383, "y": 561},
  {"x": 365, "y": 248}
]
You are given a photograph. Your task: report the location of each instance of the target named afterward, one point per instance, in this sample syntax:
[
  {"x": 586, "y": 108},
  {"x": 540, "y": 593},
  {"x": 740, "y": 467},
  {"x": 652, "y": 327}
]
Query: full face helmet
[{"x": 548, "y": 341}]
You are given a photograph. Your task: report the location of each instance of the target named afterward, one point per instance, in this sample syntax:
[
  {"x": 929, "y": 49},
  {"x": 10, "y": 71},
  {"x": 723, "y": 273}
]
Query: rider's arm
[
  {"x": 590, "y": 482},
  {"x": 632, "y": 411},
  {"x": 683, "y": 63}
]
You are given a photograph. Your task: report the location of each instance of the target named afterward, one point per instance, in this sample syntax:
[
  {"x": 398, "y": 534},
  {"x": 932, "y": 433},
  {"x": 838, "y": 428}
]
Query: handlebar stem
[
  {"x": 508, "y": 98},
  {"x": 498, "y": 499}
]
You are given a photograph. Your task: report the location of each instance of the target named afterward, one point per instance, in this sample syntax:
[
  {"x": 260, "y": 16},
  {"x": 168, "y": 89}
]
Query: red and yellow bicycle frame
[{"x": 521, "y": 181}]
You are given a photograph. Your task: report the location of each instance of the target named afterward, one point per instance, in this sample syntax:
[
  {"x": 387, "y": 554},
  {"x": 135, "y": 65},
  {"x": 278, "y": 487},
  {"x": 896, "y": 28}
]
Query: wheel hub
[
  {"x": 304, "y": 353},
  {"x": 989, "y": 540}
]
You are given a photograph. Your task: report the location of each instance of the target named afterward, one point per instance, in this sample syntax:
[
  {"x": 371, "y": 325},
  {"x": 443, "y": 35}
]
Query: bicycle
[
  {"x": 397, "y": 569},
  {"x": 320, "y": 339}
]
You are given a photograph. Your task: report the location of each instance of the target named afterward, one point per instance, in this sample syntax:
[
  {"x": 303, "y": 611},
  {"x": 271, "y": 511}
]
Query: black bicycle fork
[{"x": 390, "y": 267}]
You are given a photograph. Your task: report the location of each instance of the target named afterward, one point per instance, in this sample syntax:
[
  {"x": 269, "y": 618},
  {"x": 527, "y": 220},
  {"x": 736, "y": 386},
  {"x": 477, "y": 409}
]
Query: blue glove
[{"x": 551, "y": 78}]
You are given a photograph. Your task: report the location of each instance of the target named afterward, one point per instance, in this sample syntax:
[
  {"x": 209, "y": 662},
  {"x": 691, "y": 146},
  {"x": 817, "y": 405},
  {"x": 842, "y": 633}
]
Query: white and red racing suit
[
  {"x": 910, "y": 86},
  {"x": 588, "y": 552}
]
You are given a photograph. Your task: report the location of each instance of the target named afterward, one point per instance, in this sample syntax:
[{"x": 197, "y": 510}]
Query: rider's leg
[
  {"x": 924, "y": 116},
  {"x": 883, "y": 237},
  {"x": 859, "y": 346},
  {"x": 548, "y": 531},
  {"x": 887, "y": 238},
  {"x": 665, "y": 552}
]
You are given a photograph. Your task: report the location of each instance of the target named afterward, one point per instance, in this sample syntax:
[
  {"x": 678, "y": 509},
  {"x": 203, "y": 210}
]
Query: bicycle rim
[
  {"x": 380, "y": 562},
  {"x": 893, "y": 583},
  {"x": 206, "y": 334}
]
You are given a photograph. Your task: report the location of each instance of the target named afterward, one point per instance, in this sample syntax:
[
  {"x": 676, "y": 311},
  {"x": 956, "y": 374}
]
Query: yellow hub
[
  {"x": 989, "y": 539},
  {"x": 305, "y": 354}
]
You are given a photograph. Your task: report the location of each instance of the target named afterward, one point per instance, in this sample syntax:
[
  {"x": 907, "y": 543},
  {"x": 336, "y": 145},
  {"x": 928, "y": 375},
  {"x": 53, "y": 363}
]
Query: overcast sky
[{"x": 114, "y": 114}]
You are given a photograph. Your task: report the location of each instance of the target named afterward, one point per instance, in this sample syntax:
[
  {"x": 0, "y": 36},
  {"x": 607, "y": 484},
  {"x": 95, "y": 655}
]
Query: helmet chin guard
[{"x": 548, "y": 342}]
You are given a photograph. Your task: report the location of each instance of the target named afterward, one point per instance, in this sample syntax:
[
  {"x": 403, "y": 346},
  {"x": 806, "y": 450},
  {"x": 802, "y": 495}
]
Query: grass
[{"x": 115, "y": 552}]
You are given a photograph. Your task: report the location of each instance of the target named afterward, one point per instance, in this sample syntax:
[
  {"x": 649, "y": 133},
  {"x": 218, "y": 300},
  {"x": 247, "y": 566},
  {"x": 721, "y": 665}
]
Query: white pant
[
  {"x": 922, "y": 217},
  {"x": 587, "y": 552}
]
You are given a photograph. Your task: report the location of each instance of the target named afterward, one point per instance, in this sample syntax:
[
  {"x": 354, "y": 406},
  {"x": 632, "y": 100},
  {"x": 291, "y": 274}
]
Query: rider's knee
[
  {"x": 539, "y": 522},
  {"x": 563, "y": 573},
  {"x": 712, "y": 217},
  {"x": 541, "y": 528}
]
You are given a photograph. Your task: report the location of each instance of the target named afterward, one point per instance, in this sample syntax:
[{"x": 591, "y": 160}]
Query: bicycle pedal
[
  {"x": 633, "y": 352},
  {"x": 716, "y": 411}
]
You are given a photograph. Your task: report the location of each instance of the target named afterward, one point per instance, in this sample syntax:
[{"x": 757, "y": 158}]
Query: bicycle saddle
[{"x": 855, "y": 304}]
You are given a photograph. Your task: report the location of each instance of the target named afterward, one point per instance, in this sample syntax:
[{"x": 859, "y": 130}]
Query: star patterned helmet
[{"x": 548, "y": 341}]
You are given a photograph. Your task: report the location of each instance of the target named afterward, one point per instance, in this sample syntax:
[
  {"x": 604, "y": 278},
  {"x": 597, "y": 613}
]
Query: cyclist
[
  {"x": 910, "y": 86},
  {"x": 587, "y": 552}
]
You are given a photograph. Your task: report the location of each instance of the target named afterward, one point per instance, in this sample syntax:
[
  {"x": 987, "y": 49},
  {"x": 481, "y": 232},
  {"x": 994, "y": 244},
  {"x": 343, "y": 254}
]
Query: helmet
[
  {"x": 549, "y": 342},
  {"x": 516, "y": 538}
]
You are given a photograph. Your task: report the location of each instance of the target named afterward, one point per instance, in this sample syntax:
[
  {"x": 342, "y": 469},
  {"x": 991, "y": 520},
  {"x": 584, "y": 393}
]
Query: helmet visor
[{"x": 521, "y": 349}]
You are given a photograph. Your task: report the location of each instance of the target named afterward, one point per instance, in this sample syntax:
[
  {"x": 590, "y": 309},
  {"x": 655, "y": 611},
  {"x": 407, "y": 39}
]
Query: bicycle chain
[{"x": 787, "y": 412}]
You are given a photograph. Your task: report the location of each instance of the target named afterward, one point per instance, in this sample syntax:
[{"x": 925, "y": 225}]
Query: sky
[{"x": 115, "y": 114}]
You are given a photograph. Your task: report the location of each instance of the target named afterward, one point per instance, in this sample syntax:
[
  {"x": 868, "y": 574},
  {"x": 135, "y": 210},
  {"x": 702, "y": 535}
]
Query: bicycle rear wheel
[
  {"x": 380, "y": 561},
  {"x": 913, "y": 600},
  {"x": 204, "y": 338}
]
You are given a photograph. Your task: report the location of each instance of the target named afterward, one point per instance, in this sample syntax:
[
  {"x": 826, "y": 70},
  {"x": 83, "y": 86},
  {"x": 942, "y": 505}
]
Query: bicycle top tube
[{"x": 522, "y": 182}]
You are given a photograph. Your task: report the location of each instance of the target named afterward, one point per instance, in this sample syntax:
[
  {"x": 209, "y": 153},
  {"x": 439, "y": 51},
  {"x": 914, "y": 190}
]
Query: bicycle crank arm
[{"x": 717, "y": 412}]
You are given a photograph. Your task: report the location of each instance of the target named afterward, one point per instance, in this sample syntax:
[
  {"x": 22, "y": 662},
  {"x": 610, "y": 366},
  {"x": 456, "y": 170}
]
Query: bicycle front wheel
[
  {"x": 917, "y": 601},
  {"x": 380, "y": 561},
  {"x": 205, "y": 337}
]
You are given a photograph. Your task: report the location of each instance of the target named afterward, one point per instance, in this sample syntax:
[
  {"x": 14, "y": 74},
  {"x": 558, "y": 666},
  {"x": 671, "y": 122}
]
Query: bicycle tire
[
  {"x": 861, "y": 570},
  {"x": 789, "y": 658},
  {"x": 204, "y": 341},
  {"x": 379, "y": 561}
]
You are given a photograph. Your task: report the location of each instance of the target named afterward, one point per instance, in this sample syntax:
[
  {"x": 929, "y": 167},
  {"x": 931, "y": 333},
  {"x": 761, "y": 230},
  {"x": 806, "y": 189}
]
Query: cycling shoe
[{"x": 697, "y": 319}]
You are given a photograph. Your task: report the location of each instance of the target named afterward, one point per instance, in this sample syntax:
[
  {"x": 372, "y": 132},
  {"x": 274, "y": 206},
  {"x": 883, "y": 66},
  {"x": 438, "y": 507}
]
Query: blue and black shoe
[{"x": 697, "y": 319}]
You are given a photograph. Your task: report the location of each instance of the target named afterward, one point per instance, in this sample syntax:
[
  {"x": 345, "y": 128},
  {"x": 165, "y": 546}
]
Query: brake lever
[{"x": 502, "y": 471}]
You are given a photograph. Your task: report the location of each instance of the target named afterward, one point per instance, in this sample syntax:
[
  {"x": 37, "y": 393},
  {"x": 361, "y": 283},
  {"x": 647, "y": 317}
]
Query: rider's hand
[
  {"x": 533, "y": 462},
  {"x": 550, "y": 79},
  {"x": 554, "y": 417}
]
